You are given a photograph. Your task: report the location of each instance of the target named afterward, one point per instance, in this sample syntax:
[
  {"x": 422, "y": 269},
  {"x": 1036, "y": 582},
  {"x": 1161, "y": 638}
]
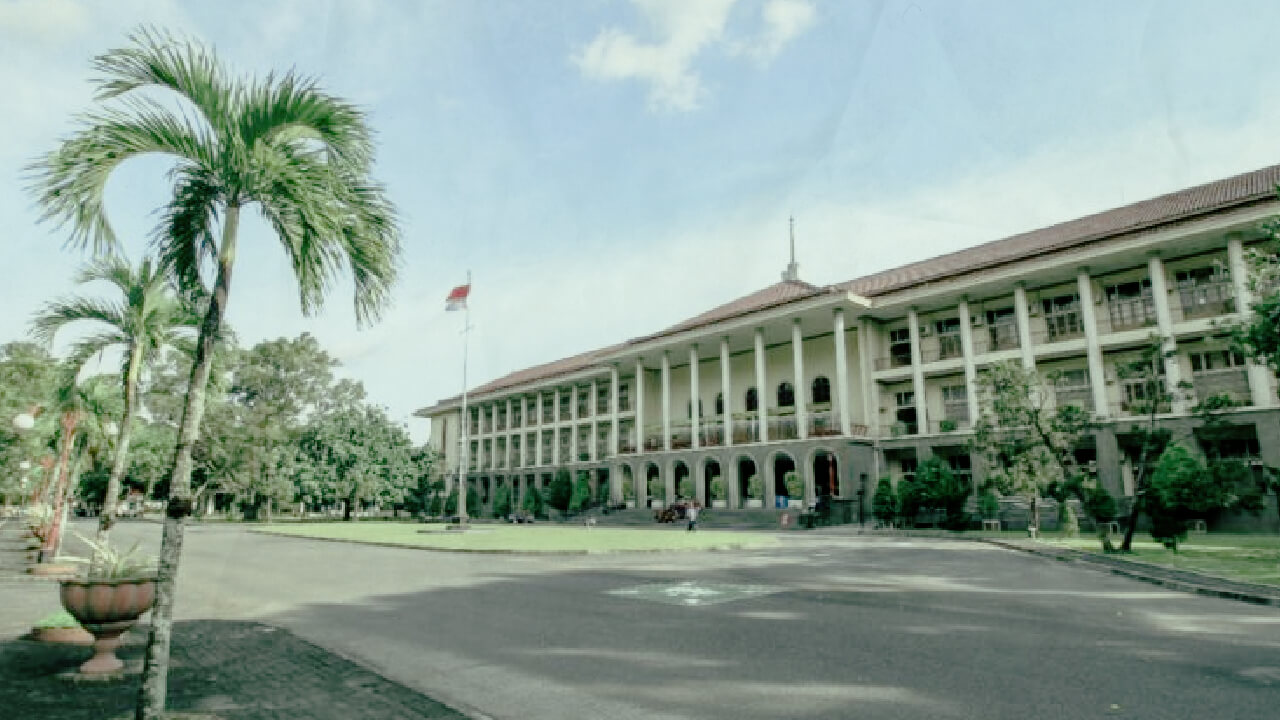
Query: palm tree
[
  {"x": 149, "y": 318},
  {"x": 301, "y": 157}
]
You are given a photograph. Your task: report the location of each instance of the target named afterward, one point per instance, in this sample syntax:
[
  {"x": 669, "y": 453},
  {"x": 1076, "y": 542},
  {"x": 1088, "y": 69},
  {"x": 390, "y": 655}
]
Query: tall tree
[
  {"x": 1030, "y": 441},
  {"x": 357, "y": 453},
  {"x": 278, "y": 143},
  {"x": 28, "y": 380},
  {"x": 147, "y": 318}
]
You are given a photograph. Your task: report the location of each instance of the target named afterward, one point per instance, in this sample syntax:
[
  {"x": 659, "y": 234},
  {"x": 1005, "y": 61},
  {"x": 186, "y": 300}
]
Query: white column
[
  {"x": 1259, "y": 375},
  {"x": 797, "y": 367},
  {"x": 1023, "y": 317},
  {"x": 1093, "y": 348},
  {"x": 666, "y": 400},
  {"x": 594, "y": 409},
  {"x": 726, "y": 391},
  {"x": 510, "y": 434},
  {"x": 917, "y": 372},
  {"x": 1168, "y": 344},
  {"x": 762, "y": 395},
  {"x": 639, "y": 413},
  {"x": 573, "y": 423},
  {"x": 613, "y": 413},
  {"x": 539, "y": 457},
  {"x": 842, "y": 371},
  {"x": 555, "y": 442},
  {"x": 694, "y": 397},
  {"x": 870, "y": 388},
  {"x": 970, "y": 369}
]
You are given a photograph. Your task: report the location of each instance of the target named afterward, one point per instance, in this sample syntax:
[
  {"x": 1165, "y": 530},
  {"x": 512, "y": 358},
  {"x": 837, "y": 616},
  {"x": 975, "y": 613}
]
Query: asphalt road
[{"x": 822, "y": 627}]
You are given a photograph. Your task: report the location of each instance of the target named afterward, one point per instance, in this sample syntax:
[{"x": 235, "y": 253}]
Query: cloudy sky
[{"x": 608, "y": 167}]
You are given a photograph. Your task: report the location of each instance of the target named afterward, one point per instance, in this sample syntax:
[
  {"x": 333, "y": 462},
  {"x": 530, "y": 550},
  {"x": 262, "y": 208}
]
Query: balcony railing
[
  {"x": 1003, "y": 336},
  {"x": 746, "y": 431},
  {"x": 1131, "y": 313},
  {"x": 1232, "y": 382},
  {"x": 948, "y": 425},
  {"x": 711, "y": 436},
  {"x": 626, "y": 445},
  {"x": 823, "y": 424},
  {"x": 783, "y": 428},
  {"x": 1079, "y": 395},
  {"x": 947, "y": 347},
  {"x": 1063, "y": 326},
  {"x": 1207, "y": 300},
  {"x": 894, "y": 360}
]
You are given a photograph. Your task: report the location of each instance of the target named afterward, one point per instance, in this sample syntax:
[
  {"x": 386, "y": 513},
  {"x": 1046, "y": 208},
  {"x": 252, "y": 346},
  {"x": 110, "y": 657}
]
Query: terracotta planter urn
[{"x": 107, "y": 608}]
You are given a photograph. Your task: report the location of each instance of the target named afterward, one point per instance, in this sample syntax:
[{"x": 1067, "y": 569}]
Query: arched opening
[
  {"x": 750, "y": 484},
  {"x": 786, "y": 395},
  {"x": 683, "y": 481},
  {"x": 785, "y": 478},
  {"x": 628, "y": 490},
  {"x": 826, "y": 475},
  {"x": 653, "y": 485},
  {"x": 821, "y": 390},
  {"x": 752, "y": 401},
  {"x": 714, "y": 489}
]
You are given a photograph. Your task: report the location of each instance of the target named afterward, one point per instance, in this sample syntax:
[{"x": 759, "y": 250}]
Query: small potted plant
[
  {"x": 61, "y": 627},
  {"x": 795, "y": 490},
  {"x": 947, "y": 426},
  {"x": 718, "y": 493},
  {"x": 116, "y": 590}
]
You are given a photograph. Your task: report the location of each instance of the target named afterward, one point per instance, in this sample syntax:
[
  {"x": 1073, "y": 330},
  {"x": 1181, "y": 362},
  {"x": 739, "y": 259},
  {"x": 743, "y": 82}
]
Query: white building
[{"x": 851, "y": 382}]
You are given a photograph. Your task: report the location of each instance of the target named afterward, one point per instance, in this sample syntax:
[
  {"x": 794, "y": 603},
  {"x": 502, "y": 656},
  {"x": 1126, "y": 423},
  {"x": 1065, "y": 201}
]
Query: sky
[{"x": 606, "y": 168}]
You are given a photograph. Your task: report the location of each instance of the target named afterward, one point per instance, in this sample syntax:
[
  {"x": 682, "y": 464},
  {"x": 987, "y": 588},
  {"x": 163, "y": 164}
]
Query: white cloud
[
  {"x": 683, "y": 31},
  {"x": 784, "y": 21}
]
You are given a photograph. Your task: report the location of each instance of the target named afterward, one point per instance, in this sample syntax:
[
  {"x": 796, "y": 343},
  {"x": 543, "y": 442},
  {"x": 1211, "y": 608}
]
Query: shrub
[
  {"x": 717, "y": 489},
  {"x": 1067, "y": 521},
  {"x": 755, "y": 487},
  {"x": 947, "y": 426},
  {"x": 628, "y": 491},
  {"x": 795, "y": 488},
  {"x": 581, "y": 498},
  {"x": 941, "y": 489},
  {"x": 685, "y": 489},
  {"x": 656, "y": 490},
  {"x": 473, "y": 502},
  {"x": 560, "y": 491},
  {"x": 989, "y": 505},
  {"x": 534, "y": 504},
  {"x": 1180, "y": 487},
  {"x": 59, "y": 619},
  {"x": 502, "y": 502},
  {"x": 884, "y": 506}
]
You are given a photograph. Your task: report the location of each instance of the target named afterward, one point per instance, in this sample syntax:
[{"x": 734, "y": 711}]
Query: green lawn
[
  {"x": 523, "y": 538},
  {"x": 1247, "y": 558}
]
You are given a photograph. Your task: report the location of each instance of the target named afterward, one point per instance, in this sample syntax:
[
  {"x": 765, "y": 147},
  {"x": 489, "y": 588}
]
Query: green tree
[
  {"x": 1029, "y": 441},
  {"x": 502, "y": 501},
  {"x": 277, "y": 142},
  {"x": 1258, "y": 334},
  {"x": 534, "y": 503},
  {"x": 560, "y": 491},
  {"x": 147, "y": 318},
  {"x": 581, "y": 498},
  {"x": 795, "y": 488},
  {"x": 884, "y": 506},
  {"x": 938, "y": 488},
  {"x": 473, "y": 503},
  {"x": 1146, "y": 376},
  {"x": 29, "y": 380},
  {"x": 356, "y": 454}
]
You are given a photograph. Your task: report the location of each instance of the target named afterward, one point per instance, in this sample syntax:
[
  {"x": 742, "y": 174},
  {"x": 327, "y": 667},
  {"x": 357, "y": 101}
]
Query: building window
[
  {"x": 1205, "y": 292},
  {"x": 1002, "y": 328},
  {"x": 1062, "y": 317},
  {"x": 1071, "y": 387},
  {"x": 905, "y": 417},
  {"x": 899, "y": 347},
  {"x": 689, "y": 409},
  {"x": 720, "y": 403},
  {"x": 786, "y": 395},
  {"x": 1131, "y": 304},
  {"x": 821, "y": 390},
  {"x": 624, "y": 397},
  {"x": 752, "y": 403},
  {"x": 1215, "y": 360},
  {"x": 955, "y": 403},
  {"x": 949, "y": 345}
]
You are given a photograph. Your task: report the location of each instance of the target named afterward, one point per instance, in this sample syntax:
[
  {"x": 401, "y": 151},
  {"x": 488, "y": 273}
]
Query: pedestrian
[{"x": 692, "y": 515}]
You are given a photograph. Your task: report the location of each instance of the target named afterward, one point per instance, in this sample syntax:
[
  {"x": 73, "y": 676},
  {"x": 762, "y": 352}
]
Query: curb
[
  {"x": 1203, "y": 585},
  {"x": 527, "y": 553}
]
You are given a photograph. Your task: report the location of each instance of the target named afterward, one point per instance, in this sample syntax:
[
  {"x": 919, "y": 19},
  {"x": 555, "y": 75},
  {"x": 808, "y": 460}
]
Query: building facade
[{"x": 847, "y": 383}]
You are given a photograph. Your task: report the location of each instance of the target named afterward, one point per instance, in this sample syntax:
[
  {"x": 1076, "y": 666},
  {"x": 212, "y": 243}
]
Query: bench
[
  {"x": 1112, "y": 528},
  {"x": 991, "y": 525},
  {"x": 1198, "y": 526}
]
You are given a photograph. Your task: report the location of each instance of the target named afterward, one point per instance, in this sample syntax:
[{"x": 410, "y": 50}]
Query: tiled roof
[
  {"x": 1172, "y": 207},
  {"x": 1175, "y": 206},
  {"x": 776, "y": 294}
]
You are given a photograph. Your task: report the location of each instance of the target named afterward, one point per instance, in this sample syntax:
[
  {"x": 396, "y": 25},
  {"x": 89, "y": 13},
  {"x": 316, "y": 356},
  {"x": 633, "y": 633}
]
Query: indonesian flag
[{"x": 457, "y": 299}]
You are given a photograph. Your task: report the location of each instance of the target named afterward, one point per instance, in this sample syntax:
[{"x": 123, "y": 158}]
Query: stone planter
[
  {"x": 631, "y": 504},
  {"x": 753, "y": 503},
  {"x": 795, "y": 504},
  {"x": 54, "y": 570},
  {"x": 63, "y": 636},
  {"x": 719, "y": 504},
  {"x": 107, "y": 608}
]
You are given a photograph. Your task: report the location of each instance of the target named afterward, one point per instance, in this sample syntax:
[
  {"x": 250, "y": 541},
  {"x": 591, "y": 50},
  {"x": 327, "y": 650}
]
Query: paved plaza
[{"x": 822, "y": 626}]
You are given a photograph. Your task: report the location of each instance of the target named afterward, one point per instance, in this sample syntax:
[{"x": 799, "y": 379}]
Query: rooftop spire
[{"x": 792, "y": 273}]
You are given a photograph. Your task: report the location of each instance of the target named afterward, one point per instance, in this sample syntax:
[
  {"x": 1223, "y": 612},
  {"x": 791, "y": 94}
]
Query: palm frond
[
  {"x": 161, "y": 59},
  {"x": 69, "y": 182},
  {"x": 291, "y": 110},
  {"x": 184, "y": 238},
  {"x": 57, "y": 315}
]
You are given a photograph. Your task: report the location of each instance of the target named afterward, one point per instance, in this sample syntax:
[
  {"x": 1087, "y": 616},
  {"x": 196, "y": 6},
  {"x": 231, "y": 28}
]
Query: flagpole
[{"x": 466, "y": 418}]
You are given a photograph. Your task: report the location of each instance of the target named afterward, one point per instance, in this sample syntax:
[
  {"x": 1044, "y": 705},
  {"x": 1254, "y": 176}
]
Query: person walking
[{"x": 692, "y": 515}]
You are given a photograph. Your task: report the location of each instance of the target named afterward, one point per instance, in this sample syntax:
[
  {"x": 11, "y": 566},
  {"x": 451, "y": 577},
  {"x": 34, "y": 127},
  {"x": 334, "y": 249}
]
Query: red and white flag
[{"x": 457, "y": 299}]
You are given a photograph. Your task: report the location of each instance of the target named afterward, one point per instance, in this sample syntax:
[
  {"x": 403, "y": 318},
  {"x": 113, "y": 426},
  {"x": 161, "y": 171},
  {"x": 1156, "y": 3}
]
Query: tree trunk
[
  {"x": 346, "y": 510},
  {"x": 155, "y": 670},
  {"x": 59, "y": 497},
  {"x": 112, "y": 499}
]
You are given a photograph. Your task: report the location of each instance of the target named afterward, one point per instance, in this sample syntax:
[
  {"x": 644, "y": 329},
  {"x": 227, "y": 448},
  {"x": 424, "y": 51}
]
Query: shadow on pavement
[{"x": 230, "y": 670}]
